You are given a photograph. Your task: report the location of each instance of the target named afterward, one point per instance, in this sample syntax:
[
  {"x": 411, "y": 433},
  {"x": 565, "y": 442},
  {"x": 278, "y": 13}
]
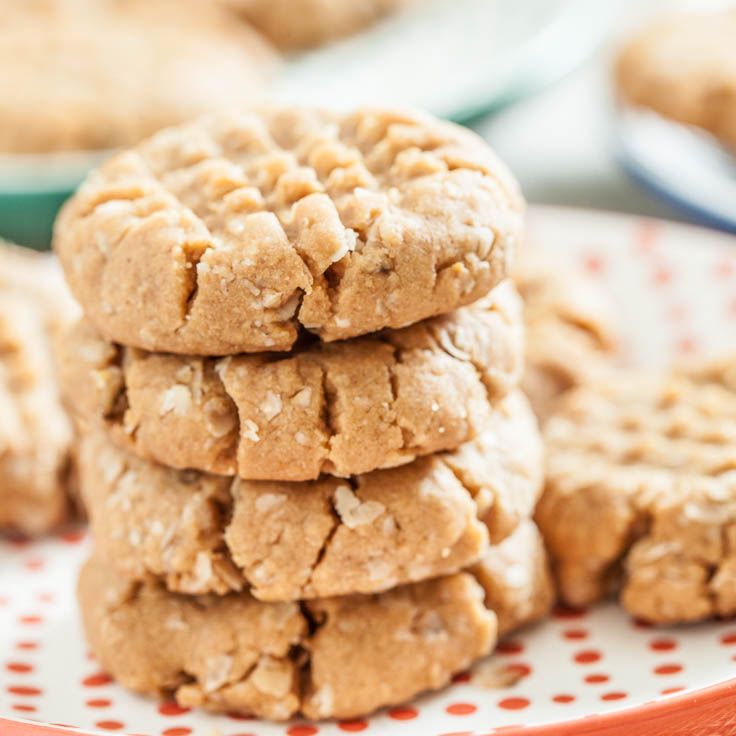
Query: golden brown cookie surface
[
  {"x": 233, "y": 234},
  {"x": 205, "y": 533},
  {"x": 344, "y": 408}
]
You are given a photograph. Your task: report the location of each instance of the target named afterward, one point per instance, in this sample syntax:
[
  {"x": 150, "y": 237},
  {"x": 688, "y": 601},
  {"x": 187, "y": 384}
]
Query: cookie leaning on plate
[
  {"x": 571, "y": 331},
  {"x": 285, "y": 541},
  {"x": 274, "y": 660},
  {"x": 107, "y": 73},
  {"x": 300, "y": 24},
  {"x": 342, "y": 408},
  {"x": 35, "y": 434},
  {"x": 684, "y": 67},
  {"x": 641, "y": 495},
  {"x": 234, "y": 234}
]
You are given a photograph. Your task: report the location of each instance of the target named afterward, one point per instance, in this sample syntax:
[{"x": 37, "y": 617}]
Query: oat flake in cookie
[
  {"x": 205, "y": 533},
  {"x": 231, "y": 234},
  {"x": 641, "y": 494},
  {"x": 342, "y": 408}
]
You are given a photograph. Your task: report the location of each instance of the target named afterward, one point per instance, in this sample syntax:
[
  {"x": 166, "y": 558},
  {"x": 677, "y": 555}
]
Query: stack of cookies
[{"x": 302, "y": 443}]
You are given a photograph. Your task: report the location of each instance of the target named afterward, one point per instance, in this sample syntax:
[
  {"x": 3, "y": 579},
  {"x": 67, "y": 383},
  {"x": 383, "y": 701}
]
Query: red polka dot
[
  {"x": 302, "y": 730},
  {"x": 520, "y": 669},
  {"x": 510, "y": 647},
  {"x": 30, "y": 620},
  {"x": 646, "y": 236},
  {"x": 593, "y": 263},
  {"x": 575, "y": 634},
  {"x": 403, "y": 714},
  {"x": 72, "y": 536},
  {"x": 663, "y": 644},
  {"x": 99, "y": 703},
  {"x": 724, "y": 269},
  {"x": 20, "y": 667},
  {"x": 33, "y": 564},
  {"x": 687, "y": 345},
  {"x": 3, "y": 600},
  {"x": 563, "y": 612},
  {"x": 668, "y": 669},
  {"x": 110, "y": 725},
  {"x": 352, "y": 726},
  {"x": 24, "y": 690},
  {"x": 27, "y": 645},
  {"x": 97, "y": 680},
  {"x": 46, "y": 597},
  {"x": 461, "y": 709},
  {"x": 729, "y": 638},
  {"x": 587, "y": 656},
  {"x": 677, "y": 312},
  {"x": 24, "y": 708},
  {"x": 513, "y": 703},
  {"x": 616, "y": 695},
  {"x": 596, "y": 679},
  {"x": 171, "y": 708},
  {"x": 461, "y": 677},
  {"x": 672, "y": 690},
  {"x": 176, "y": 731},
  {"x": 662, "y": 276},
  {"x": 563, "y": 698}
]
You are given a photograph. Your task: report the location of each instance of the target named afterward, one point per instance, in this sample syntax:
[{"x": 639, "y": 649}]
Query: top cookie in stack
[{"x": 221, "y": 265}]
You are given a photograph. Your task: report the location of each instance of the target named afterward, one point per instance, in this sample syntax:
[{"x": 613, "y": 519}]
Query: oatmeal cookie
[
  {"x": 235, "y": 234},
  {"x": 344, "y": 408},
  {"x": 100, "y": 74},
  {"x": 571, "y": 330},
  {"x": 274, "y": 660},
  {"x": 283, "y": 541},
  {"x": 299, "y": 24},
  {"x": 641, "y": 495},
  {"x": 684, "y": 67},
  {"x": 35, "y": 435}
]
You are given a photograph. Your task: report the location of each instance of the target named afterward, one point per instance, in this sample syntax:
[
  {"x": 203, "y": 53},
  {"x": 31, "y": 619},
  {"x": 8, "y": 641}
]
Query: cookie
[
  {"x": 107, "y": 73},
  {"x": 235, "y": 234},
  {"x": 273, "y": 660},
  {"x": 299, "y": 24},
  {"x": 344, "y": 408},
  {"x": 684, "y": 68},
  {"x": 571, "y": 329},
  {"x": 640, "y": 496},
  {"x": 282, "y": 541}
]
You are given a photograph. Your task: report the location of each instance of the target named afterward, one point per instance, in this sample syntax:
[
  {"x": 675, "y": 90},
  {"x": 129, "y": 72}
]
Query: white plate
[
  {"x": 683, "y": 166},
  {"x": 676, "y": 287}
]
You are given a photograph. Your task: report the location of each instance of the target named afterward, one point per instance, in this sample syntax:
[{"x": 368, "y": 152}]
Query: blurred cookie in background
[
  {"x": 35, "y": 434},
  {"x": 571, "y": 330},
  {"x": 300, "y": 24},
  {"x": 684, "y": 68},
  {"x": 99, "y": 74}
]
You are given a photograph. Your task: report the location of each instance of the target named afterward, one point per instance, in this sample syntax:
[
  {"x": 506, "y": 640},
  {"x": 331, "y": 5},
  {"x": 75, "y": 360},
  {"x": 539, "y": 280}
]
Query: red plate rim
[{"x": 640, "y": 719}]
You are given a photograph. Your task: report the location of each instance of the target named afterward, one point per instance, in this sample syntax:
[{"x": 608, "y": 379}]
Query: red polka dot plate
[{"x": 594, "y": 673}]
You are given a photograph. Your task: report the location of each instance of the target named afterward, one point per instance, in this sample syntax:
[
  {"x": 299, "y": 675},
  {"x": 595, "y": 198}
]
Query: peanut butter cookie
[
  {"x": 344, "y": 408},
  {"x": 274, "y": 660},
  {"x": 641, "y": 495},
  {"x": 571, "y": 330},
  {"x": 684, "y": 67},
  {"x": 100, "y": 74},
  {"x": 236, "y": 233},
  {"x": 206, "y": 533}
]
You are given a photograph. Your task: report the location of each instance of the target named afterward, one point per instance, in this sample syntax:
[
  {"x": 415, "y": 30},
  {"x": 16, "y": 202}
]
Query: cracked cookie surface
[
  {"x": 35, "y": 434},
  {"x": 344, "y": 408},
  {"x": 274, "y": 660},
  {"x": 684, "y": 67},
  {"x": 299, "y": 24},
  {"x": 641, "y": 494},
  {"x": 108, "y": 73},
  {"x": 571, "y": 330},
  {"x": 236, "y": 233},
  {"x": 203, "y": 533}
]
